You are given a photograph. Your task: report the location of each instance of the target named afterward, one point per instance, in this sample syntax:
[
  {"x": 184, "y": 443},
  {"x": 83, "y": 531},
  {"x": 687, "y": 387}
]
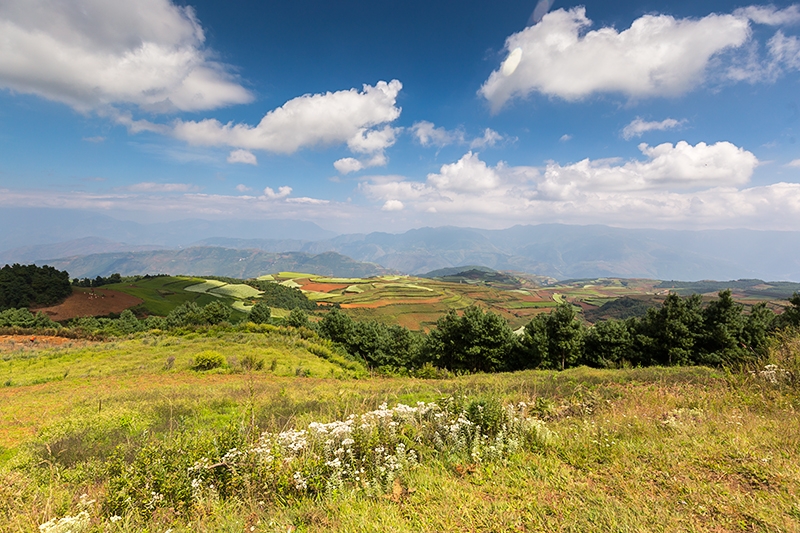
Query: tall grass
[{"x": 652, "y": 449}]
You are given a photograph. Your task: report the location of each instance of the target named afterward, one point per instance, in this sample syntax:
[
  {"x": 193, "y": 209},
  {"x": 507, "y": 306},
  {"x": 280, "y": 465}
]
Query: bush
[
  {"x": 208, "y": 360},
  {"x": 260, "y": 313}
]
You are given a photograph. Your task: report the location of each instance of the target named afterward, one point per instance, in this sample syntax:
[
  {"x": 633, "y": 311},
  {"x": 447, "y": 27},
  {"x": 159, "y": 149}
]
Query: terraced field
[{"x": 410, "y": 301}]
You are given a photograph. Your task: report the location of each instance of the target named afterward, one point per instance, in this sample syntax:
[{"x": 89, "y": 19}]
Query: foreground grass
[{"x": 659, "y": 449}]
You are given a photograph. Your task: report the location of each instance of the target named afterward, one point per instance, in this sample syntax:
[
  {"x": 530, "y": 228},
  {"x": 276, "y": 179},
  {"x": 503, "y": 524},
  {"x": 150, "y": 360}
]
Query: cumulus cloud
[
  {"x": 638, "y": 126},
  {"x": 309, "y": 120},
  {"x": 243, "y": 188},
  {"x": 657, "y": 56},
  {"x": 90, "y": 54},
  {"x": 670, "y": 183},
  {"x": 566, "y": 137},
  {"x": 283, "y": 192},
  {"x": 392, "y": 205},
  {"x": 795, "y": 163},
  {"x": 242, "y": 156},
  {"x": 347, "y": 165}
]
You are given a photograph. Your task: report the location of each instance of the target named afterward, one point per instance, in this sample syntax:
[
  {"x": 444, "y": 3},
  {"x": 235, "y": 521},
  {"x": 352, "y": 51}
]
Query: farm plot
[
  {"x": 240, "y": 291},
  {"x": 205, "y": 286}
]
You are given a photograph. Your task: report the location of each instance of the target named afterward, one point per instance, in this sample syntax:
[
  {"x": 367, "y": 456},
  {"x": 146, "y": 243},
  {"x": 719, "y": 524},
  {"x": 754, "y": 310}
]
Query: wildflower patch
[{"x": 366, "y": 453}]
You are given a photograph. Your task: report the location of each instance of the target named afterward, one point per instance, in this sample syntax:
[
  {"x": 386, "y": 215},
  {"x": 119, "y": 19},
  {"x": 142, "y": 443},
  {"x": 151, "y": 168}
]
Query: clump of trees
[
  {"x": 99, "y": 281},
  {"x": 31, "y": 285},
  {"x": 277, "y": 295}
]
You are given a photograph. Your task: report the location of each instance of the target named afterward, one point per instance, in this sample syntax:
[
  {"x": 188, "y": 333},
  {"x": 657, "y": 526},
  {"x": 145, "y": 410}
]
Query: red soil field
[
  {"x": 323, "y": 287},
  {"x": 384, "y": 303},
  {"x": 84, "y": 302}
]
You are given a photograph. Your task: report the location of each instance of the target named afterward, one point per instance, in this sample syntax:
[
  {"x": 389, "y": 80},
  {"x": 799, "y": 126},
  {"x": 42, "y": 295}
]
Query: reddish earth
[
  {"x": 85, "y": 302},
  {"x": 384, "y": 303},
  {"x": 323, "y": 287},
  {"x": 15, "y": 341}
]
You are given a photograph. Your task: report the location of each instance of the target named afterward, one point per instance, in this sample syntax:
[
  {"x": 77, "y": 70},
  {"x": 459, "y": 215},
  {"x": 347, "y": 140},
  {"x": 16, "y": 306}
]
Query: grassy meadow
[{"x": 652, "y": 449}]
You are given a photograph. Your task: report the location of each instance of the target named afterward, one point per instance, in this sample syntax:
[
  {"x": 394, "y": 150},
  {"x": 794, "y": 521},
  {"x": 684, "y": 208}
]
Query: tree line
[
  {"x": 31, "y": 285},
  {"x": 682, "y": 331}
]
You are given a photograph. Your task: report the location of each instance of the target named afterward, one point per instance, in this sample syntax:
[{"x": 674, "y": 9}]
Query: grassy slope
[{"x": 660, "y": 449}]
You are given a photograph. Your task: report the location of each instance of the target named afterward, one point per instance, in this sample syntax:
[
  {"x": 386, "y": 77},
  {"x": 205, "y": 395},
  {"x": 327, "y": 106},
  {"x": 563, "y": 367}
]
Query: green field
[
  {"x": 412, "y": 302},
  {"x": 164, "y": 293},
  {"x": 655, "y": 449}
]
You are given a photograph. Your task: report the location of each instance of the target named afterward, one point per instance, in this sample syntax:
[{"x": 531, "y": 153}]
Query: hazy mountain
[
  {"x": 30, "y": 226},
  {"x": 213, "y": 261},
  {"x": 84, "y": 246},
  {"x": 563, "y": 251},
  {"x": 555, "y": 250}
]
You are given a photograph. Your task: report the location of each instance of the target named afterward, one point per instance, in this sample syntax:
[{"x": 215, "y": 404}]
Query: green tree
[
  {"x": 215, "y": 313},
  {"x": 607, "y": 344},
  {"x": 791, "y": 314},
  {"x": 128, "y": 323},
  {"x": 564, "y": 337},
  {"x": 260, "y": 313},
  {"x": 721, "y": 336},
  {"x": 667, "y": 336},
  {"x": 336, "y": 326},
  {"x": 757, "y": 327},
  {"x": 298, "y": 318},
  {"x": 475, "y": 341},
  {"x": 186, "y": 314}
]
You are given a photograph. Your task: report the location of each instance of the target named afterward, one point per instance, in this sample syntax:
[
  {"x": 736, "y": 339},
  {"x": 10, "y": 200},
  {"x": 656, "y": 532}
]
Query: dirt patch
[
  {"x": 323, "y": 287},
  {"x": 14, "y": 342},
  {"x": 88, "y": 302},
  {"x": 383, "y": 303}
]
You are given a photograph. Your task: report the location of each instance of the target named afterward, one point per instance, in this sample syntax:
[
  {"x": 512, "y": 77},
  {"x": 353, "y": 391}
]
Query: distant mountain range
[
  {"x": 555, "y": 250},
  {"x": 563, "y": 251},
  {"x": 214, "y": 261}
]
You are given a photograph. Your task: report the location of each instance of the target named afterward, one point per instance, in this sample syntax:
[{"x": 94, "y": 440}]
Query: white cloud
[
  {"x": 309, "y": 120},
  {"x": 427, "y": 134},
  {"x": 657, "y": 56},
  {"x": 91, "y": 54},
  {"x": 242, "y": 156},
  {"x": 347, "y": 165},
  {"x": 392, "y": 205},
  {"x": 770, "y": 15},
  {"x": 670, "y": 185},
  {"x": 490, "y": 138},
  {"x": 566, "y": 137},
  {"x": 283, "y": 192},
  {"x": 785, "y": 51},
  {"x": 243, "y": 188},
  {"x": 638, "y": 126},
  {"x": 371, "y": 141},
  {"x": 149, "y": 186},
  {"x": 468, "y": 174},
  {"x": 795, "y": 163},
  {"x": 668, "y": 167},
  {"x": 308, "y": 201}
]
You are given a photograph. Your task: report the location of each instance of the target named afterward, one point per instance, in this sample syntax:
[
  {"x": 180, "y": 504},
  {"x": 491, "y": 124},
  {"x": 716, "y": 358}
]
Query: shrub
[
  {"x": 208, "y": 360},
  {"x": 260, "y": 313}
]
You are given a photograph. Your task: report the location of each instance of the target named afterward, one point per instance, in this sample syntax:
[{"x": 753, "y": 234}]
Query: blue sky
[{"x": 366, "y": 116}]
